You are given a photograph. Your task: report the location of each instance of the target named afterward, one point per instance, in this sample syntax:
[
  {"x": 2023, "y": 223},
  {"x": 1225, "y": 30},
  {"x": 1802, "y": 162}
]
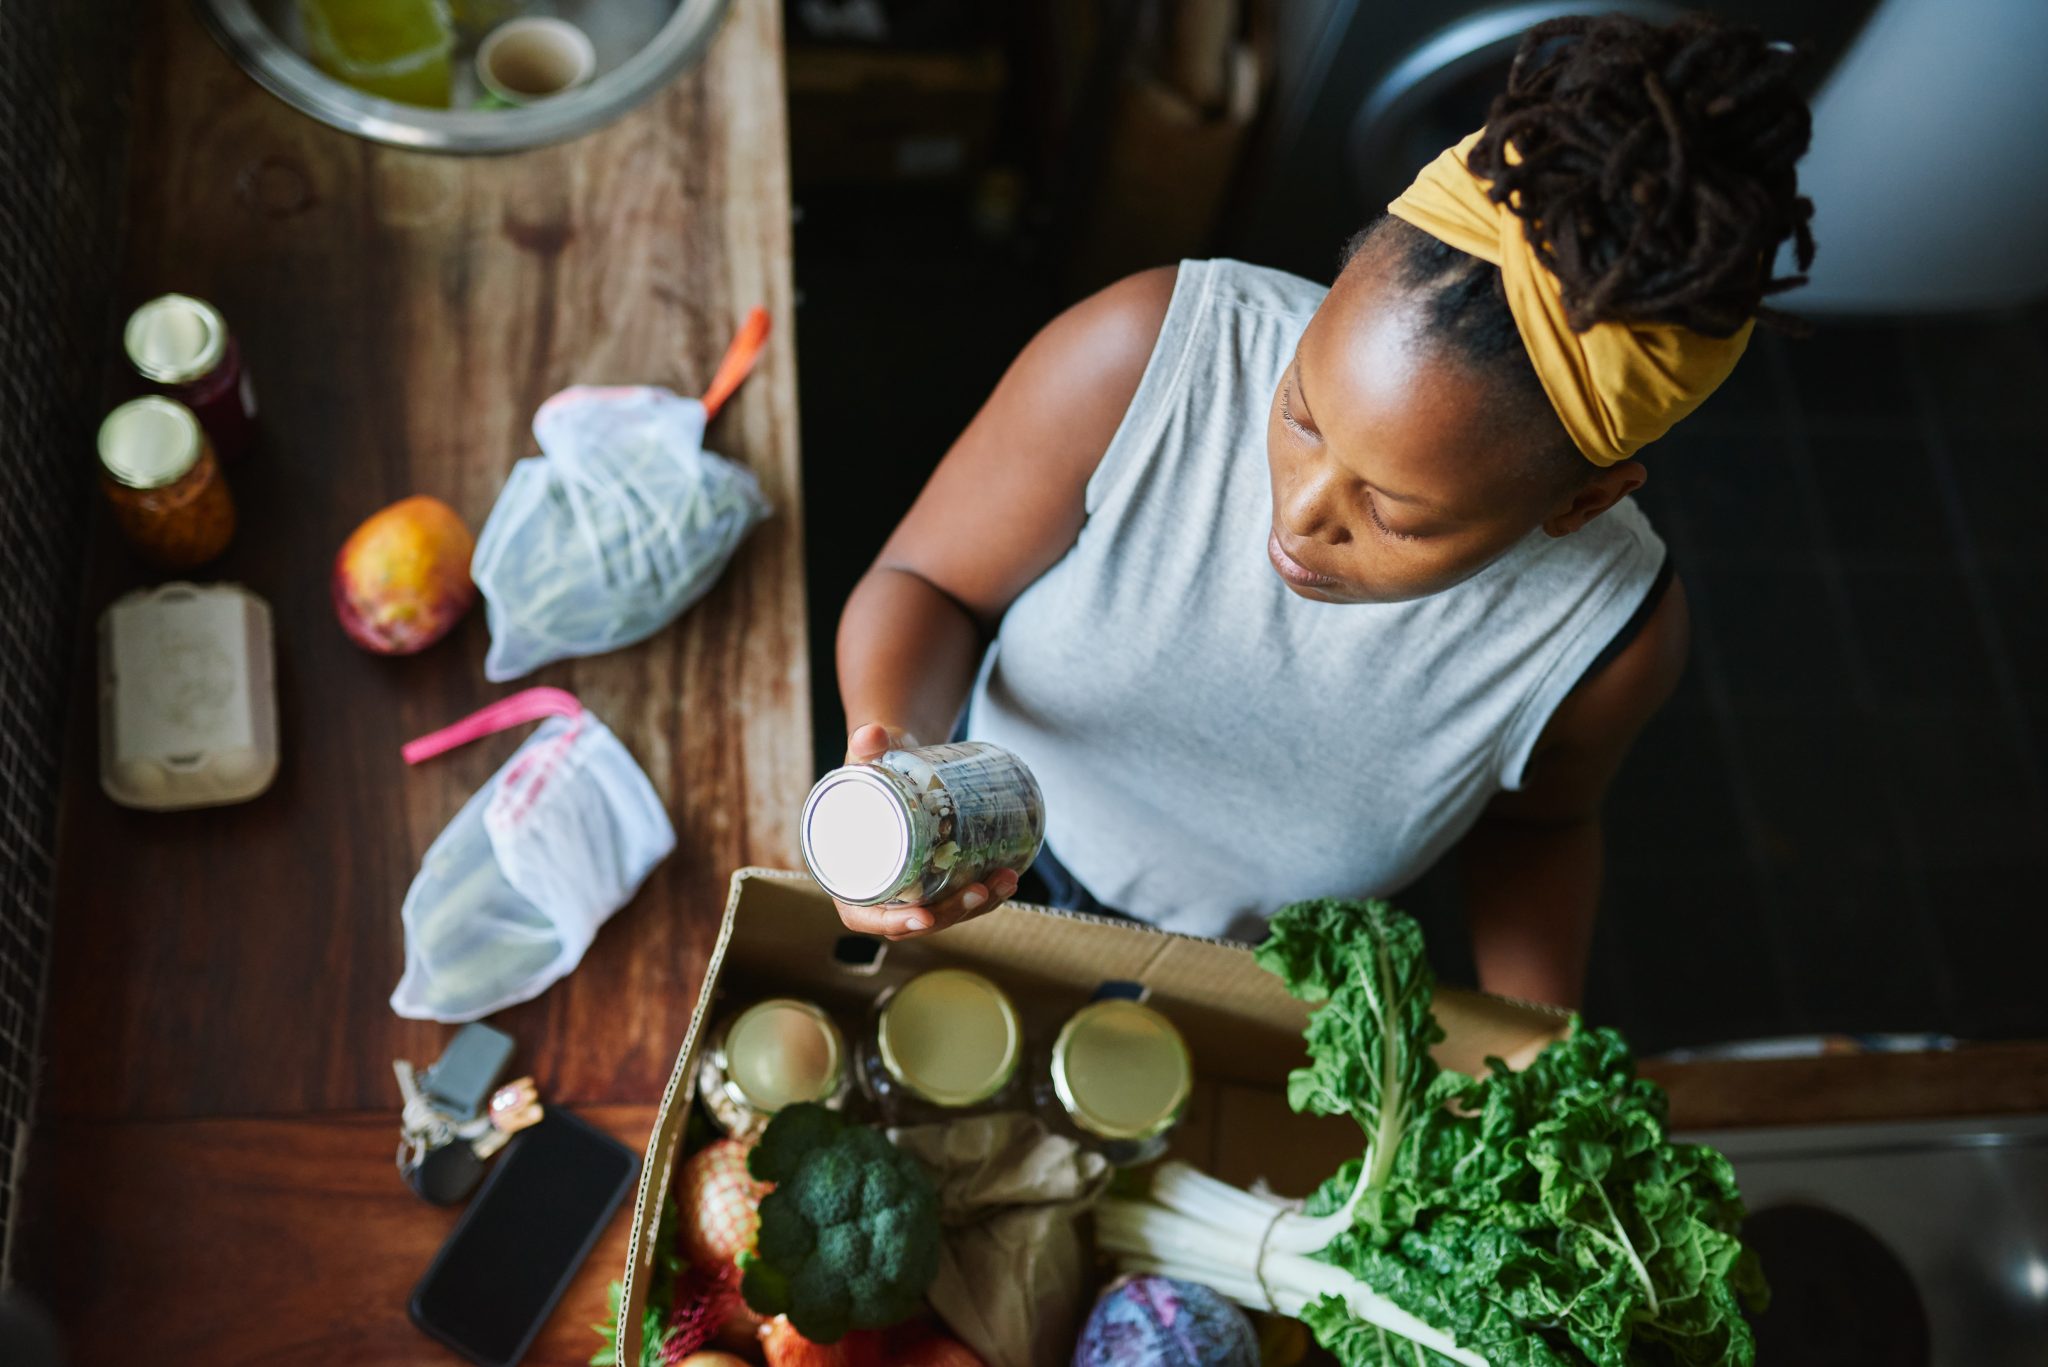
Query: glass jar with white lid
[{"x": 917, "y": 826}]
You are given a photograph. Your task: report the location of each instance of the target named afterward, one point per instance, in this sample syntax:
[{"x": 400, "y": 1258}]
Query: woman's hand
[{"x": 866, "y": 745}]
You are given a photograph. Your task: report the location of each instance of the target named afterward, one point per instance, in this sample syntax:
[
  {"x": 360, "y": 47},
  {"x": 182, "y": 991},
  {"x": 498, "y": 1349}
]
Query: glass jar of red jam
[
  {"x": 167, "y": 491},
  {"x": 183, "y": 346}
]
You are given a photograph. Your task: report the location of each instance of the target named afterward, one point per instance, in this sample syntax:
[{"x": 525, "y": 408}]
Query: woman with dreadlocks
[{"x": 1294, "y": 592}]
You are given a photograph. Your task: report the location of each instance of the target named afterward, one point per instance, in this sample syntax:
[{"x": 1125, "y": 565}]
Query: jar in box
[
  {"x": 917, "y": 826},
  {"x": 183, "y": 345},
  {"x": 946, "y": 1043},
  {"x": 169, "y": 497},
  {"x": 775, "y": 1053},
  {"x": 1118, "y": 1078}
]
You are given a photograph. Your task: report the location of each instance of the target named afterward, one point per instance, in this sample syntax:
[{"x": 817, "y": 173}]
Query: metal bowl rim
[{"x": 291, "y": 78}]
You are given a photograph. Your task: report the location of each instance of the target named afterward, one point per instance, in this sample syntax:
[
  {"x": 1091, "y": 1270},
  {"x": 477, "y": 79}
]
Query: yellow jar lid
[
  {"x": 783, "y": 1051},
  {"x": 1121, "y": 1070},
  {"x": 950, "y": 1037}
]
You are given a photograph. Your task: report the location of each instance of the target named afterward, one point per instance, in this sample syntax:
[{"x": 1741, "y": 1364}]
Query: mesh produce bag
[
  {"x": 511, "y": 893},
  {"x": 623, "y": 523}
]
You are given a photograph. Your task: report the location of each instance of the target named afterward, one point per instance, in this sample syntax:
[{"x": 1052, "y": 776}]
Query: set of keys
[{"x": 447, "y": 1130}]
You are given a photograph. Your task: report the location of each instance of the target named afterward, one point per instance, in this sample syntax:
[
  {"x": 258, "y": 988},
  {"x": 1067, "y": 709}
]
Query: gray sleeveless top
[{"x": 1210, "y": 745}]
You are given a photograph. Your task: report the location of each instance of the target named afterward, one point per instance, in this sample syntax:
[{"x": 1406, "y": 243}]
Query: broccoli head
[{"x": 849, "y": 1238}]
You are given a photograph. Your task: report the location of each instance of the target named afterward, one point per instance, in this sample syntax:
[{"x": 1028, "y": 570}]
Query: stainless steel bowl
[{"x": 641, "y": 45}]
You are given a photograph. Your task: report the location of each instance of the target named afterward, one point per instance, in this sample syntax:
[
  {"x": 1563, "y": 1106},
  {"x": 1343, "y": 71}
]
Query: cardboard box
[{"x": 780, "y": 933}]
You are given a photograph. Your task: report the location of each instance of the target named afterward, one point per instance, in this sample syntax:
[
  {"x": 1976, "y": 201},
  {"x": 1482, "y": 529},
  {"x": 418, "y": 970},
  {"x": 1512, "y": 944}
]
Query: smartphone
[{"x": 529, "y": 1227}]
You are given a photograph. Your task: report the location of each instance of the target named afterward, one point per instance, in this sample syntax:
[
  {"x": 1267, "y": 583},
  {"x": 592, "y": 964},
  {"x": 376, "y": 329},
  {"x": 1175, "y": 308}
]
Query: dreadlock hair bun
[{"x": 1654, "y": 167}]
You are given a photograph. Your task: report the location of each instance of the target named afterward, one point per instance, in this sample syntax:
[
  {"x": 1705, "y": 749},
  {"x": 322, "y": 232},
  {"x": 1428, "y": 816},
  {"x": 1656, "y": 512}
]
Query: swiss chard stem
[
  {"x": 1387, "y": 1134},
  {"x": 1628, "y": 1248}
]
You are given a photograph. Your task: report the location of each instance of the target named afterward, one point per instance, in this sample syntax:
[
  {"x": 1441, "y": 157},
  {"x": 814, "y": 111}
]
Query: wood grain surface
[
  {"x": 316, "y": 1264},
  {"x": 1973, "y": 1080},
  {"x": 403, "y": 315},
  {"x": 212, "y": 1182}
]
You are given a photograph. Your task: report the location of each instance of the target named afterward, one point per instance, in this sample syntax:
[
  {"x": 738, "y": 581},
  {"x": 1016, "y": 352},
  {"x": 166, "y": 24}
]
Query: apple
[{"x": 402, "y": 577}]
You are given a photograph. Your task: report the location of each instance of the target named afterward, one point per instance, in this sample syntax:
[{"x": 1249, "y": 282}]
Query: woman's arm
[
  {"x": 1003, "y": 506},
  {"x": 1532, "y": 863}
]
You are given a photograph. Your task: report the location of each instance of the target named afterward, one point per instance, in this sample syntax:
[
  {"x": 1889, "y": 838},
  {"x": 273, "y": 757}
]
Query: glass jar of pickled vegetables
[
  {"x": 1118, "y": 1078},
  {"x": 158, "y": 472},
  {"x": 775, "y": 1053},
  {"x": 946, "y": 1043},
  {"x": 917, "y": 826},
  {"x": 183, "y": 345}
]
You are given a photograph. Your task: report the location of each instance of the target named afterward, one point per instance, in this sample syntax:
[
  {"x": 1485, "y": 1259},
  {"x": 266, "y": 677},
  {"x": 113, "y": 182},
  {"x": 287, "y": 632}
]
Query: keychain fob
[{"x": 467, "y": 1070}]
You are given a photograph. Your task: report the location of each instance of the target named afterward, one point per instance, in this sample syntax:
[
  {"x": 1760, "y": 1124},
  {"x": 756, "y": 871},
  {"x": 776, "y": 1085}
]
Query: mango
[{"x": 401, "y": 580}]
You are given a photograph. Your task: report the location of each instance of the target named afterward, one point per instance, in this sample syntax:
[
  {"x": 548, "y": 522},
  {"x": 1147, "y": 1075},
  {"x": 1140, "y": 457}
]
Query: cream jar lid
[
  {"x": 1121, "y": 1070},
  {"x": 950, "y": 1036},
  {"x": 783, "y": 1051},
  {"x": 150, "y": 443},
  {"x": 175, "y": 339}
]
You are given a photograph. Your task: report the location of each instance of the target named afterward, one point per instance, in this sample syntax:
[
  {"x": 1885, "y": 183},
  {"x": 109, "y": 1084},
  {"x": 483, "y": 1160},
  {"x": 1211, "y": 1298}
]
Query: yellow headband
[{"x": 1616, "y": 386}]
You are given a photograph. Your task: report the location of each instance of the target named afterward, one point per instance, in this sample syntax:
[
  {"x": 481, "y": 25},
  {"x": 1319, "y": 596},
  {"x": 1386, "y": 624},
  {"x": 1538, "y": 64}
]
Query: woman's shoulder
[
  {"x": 1100, "y": 347},
  {"x": 1069, "y": 389},
  {"x": 1107, "y": 338}
]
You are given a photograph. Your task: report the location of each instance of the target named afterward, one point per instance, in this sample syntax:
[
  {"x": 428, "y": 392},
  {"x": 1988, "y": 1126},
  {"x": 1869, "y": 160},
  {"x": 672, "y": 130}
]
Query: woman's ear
[{"x": 1599, "y": 492}]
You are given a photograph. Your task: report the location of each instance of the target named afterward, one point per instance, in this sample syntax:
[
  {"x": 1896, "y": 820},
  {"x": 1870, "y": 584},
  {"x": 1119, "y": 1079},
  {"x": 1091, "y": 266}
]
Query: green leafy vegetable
[
  {"x": 1369, "y": 1048},
  {"x": 1540, "y": 1218},
  {"x": 849, "y": 1238}
]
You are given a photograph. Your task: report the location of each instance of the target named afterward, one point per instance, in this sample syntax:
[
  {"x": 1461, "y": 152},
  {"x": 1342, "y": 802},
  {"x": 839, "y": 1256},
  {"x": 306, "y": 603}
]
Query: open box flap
[{"x": 1240, "y": 1023}]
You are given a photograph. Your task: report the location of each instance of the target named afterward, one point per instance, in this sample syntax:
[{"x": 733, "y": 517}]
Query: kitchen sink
[
  {"x": 1918, "y": 1244},
  {"x": 640, "y": 45}
]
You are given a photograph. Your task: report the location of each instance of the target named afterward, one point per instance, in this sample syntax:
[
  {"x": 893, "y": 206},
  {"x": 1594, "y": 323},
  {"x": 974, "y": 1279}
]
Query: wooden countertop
[
  {"x": 1971, "y": 1080},
  {"x": 212, "y": 1180}
]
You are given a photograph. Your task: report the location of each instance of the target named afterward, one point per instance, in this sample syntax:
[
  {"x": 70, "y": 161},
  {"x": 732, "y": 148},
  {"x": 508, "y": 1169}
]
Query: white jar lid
[
  {"x": 150, "y": 443},
  {"x": 856, "y": 835},
  {"x": 174, "y": 338}
]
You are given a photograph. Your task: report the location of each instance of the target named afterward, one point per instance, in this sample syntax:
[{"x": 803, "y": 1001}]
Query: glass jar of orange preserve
[{"x": 169, "y": 497}]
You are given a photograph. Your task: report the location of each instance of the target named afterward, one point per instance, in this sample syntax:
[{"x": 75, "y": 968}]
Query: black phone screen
[{"x": 527, "y": 1230}]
